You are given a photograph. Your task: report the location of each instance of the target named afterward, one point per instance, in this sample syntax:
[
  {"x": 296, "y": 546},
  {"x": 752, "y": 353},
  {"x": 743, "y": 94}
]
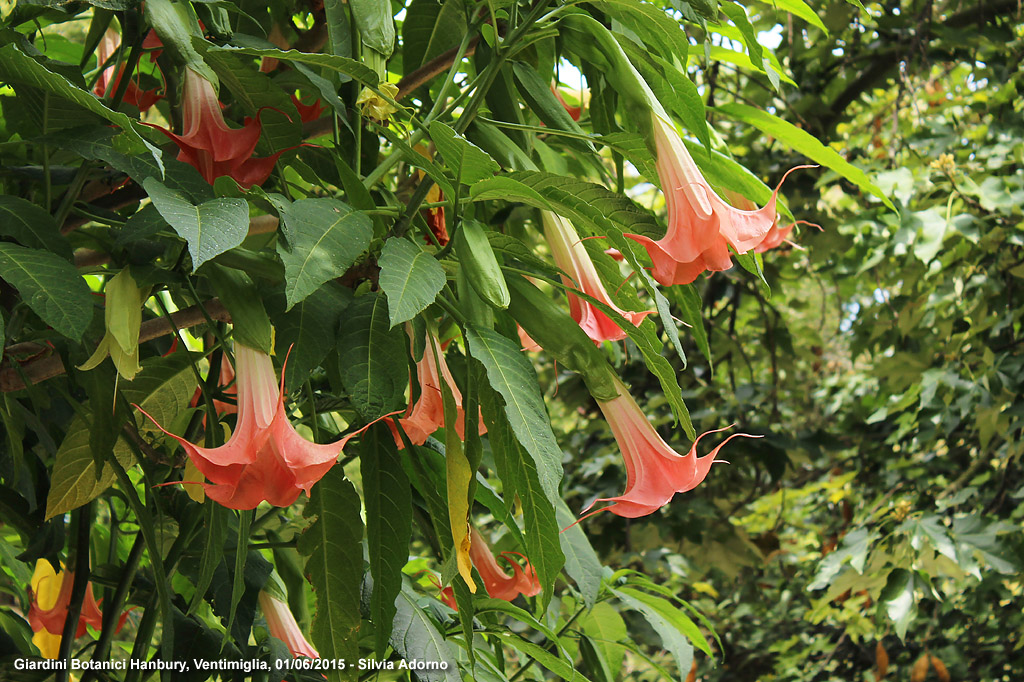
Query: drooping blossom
[
  {"x": 281, "y": 624},
  {"x": 447, "y": 594},
  {"x": 776, "y": 235},
  {"x": 108, "y": 82},
  {"x": 572, "y": 257},
  {"x": 265, "y": 459},
  {"x": 527, "y": 342},
  {"x": 51, "y": 598},
  {"x": 701, "y": 225},
  {"x": 210, "y": 145},
  {"x": 434, "y": 215},
  {"x": 654, "y": 471},
  {"x": 426, "y": 415},
  {"x": 574, "y": 112},
  {"x": 498, "y": 583}
]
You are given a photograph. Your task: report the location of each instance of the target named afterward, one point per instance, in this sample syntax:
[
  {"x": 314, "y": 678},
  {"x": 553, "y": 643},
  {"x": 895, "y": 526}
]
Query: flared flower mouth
[
  {"x": 498, "y": 583},
  {"x": 572, "y": 258},
  {"x": 701, "y": 225},
  {"x": 265, "y": 459},
  {"x": 655, "y": 472},
  {"x": 51, "y": 597}
]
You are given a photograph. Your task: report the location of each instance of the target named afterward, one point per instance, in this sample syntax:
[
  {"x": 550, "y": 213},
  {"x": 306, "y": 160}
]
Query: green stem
[
  {"x": 519, "y": 673},
  {"x": 82, "y": 520},
  {"x": 112, "y": 608}
]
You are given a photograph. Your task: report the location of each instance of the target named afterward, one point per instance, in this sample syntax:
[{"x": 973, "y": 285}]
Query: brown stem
[{"x": 14, "y": 379}]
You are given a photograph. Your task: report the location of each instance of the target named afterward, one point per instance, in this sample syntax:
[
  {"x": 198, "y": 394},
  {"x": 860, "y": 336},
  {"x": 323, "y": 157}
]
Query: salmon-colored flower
[
  {"x": 654, "y": 471},
  {"x": 281, "y": 624},
  {"x": 51, "y": 598},
  {"x": 265, "y": 459},
  {"x": 210, "y": 146},
  {"x": 308, "y": 112},
  {"x": 572, "y": 257},
  {"x": 426, "y": 415},
  {"x": 107, "y": 83},
  {"x": 499, "y": 584},
  {"x": 574, "y": 112},
  {"x": 701, "y": 225}
]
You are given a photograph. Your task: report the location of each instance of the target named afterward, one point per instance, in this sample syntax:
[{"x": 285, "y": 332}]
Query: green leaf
[
  {"x": 537, "y": 93},
  {"x": 689, "y": 302},
  {"x": 656, "y": 28},
  {"x": 547, "y": 659},
  {"x": 343, "y": 65},
  {"x": 740, "y": 20},
  {"x": 74, "y": 481},
  {"x": 18, "y": 67},
  {"x": 803, "y": 142},
  {"x": 334, "y": 565},
  {"x": 605, "y": 626},
  {"x": 504, "y": 188},
  {"x": 581, "y": 562},
  {"x": 31, "y": 226},
  {"x": 371, "y": 356},
  {"x": 309, "y": 329},
  {"x": 250, "y": 323},
  {"x": 376, "y": 24},
  {"x": 512, "y": 376},
  {"x": 469, "y": 163},
  {"x": 211, "y": 228},
  {"x": 410, "y": 277},
  {"x": 415, "y": 637},
  {"x": 430, "y": 27},
  {"x": 50, "y": 285},
  {"x": 659, "y": 613},
  {"x": 388, "y": 501},
  {"x": 898, "y": 596},
  {"x": 799, "y": 8},
  {"x": 325, "y": 236}
]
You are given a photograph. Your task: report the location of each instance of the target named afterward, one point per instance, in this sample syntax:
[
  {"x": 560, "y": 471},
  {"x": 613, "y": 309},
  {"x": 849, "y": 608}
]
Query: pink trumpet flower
[
  {"x": 776, "y": 235},
  {"x": 210, "y": 146},
  {"x": 654, "y": 471},
  {"x": 501, "y": 585},
  {"x": 701, "y": 225},
  {"x": 107, "y": 83},
  {"x": 426, "y": 415},
  {"x": 282, "y": 625},
  {"x": 572, "y": 257},
  {"x": 265, "y": 459}
]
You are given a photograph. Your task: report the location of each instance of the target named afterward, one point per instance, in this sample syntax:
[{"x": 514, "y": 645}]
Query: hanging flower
[
  {"x": 572, "y": 257},
  {"x": 574, "y": 112},
  {"x": 426, "y": 415},
  {"x": 265, "y": 459},
  {"x": 108, "y": 82},
  {"x": 51, "y": 598},
  {"x": 654, "y": 471},
  {"x": 210, "y": 146},
  {"x": 308, "y": 112},
  {"x": 122, "y": 317},
  {"x": 701, "y": 225},
  {"x": 501, "y": 585},
  {"x": 282, "y": 625},
  {"x": 776, "y": 235}
]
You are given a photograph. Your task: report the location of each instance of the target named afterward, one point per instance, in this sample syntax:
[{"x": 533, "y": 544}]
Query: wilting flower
[
  {"x": 51, "y": 598},
  {"x": 701, "y": 225},
  {"x": 108, "y": 82},
  {"x": 501, "y": 585},
  {"x": 654, "y": 471},
  {"x": 572, "y": 257},
  {"x": 426, "y": 415},
  {"x": 282, "y": 625},
  {"x": 265, "y": 458},
  {"x": 376, "y": 107},
  {"x": 209, "y": 145}
]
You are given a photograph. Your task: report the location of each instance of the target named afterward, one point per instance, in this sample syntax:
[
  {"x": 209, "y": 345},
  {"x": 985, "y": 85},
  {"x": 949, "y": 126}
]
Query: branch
[{"x": 15, "y": 378}]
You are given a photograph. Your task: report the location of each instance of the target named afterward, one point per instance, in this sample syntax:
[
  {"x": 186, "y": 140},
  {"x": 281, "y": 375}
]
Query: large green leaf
[
  {"x": 468, "y": 162},
  {"x": 333, "y": 549},
  {"x": 410, "y": 277},
  {"x": 325, "y": 236},
  {"x": 430, "y": 27},
  {"x": 50, "y": 285},
  {"x": 211, "y": 228},
  {"x": 581, "y": 562},
  {"x": 309, "y": 330},
  {"x": 376, "y": 24},
  {"x": 31, "y": 226},
  {"x": 371, "y": 358},
  {"x": 343, "y": 65},
  {"x": 512, "y": 376},
  {"x": 415, "y": 636},
  {"x": 803, "y": 142},
  {"x": 660, "y": 614},
  {"x": 799, "y": 8},
  {"x": 388, "y": 501},
  {"x": 163, "y": 389},
  {"x": 656, "y": 28}
]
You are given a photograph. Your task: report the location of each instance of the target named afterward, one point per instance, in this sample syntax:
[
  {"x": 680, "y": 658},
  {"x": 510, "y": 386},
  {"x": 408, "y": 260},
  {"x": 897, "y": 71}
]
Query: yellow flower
[{"x": 374, "y": 106}]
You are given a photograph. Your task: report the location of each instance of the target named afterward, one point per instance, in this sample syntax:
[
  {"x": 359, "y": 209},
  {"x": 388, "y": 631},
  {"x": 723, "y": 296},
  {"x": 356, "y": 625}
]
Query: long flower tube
[
  {"x": 498, "y": 583},
  {"x": 572, "y": 257},
  {"x": 654, "y": 471},
  {"x": 265, "y": 459},
  {"x": 701, "y": 225},
  {"x": 51, "y": 599},
  {"x": 210, "y": 146},
  {"x": 281, "y": 624},
  {"x": 108, "y": 82}
]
